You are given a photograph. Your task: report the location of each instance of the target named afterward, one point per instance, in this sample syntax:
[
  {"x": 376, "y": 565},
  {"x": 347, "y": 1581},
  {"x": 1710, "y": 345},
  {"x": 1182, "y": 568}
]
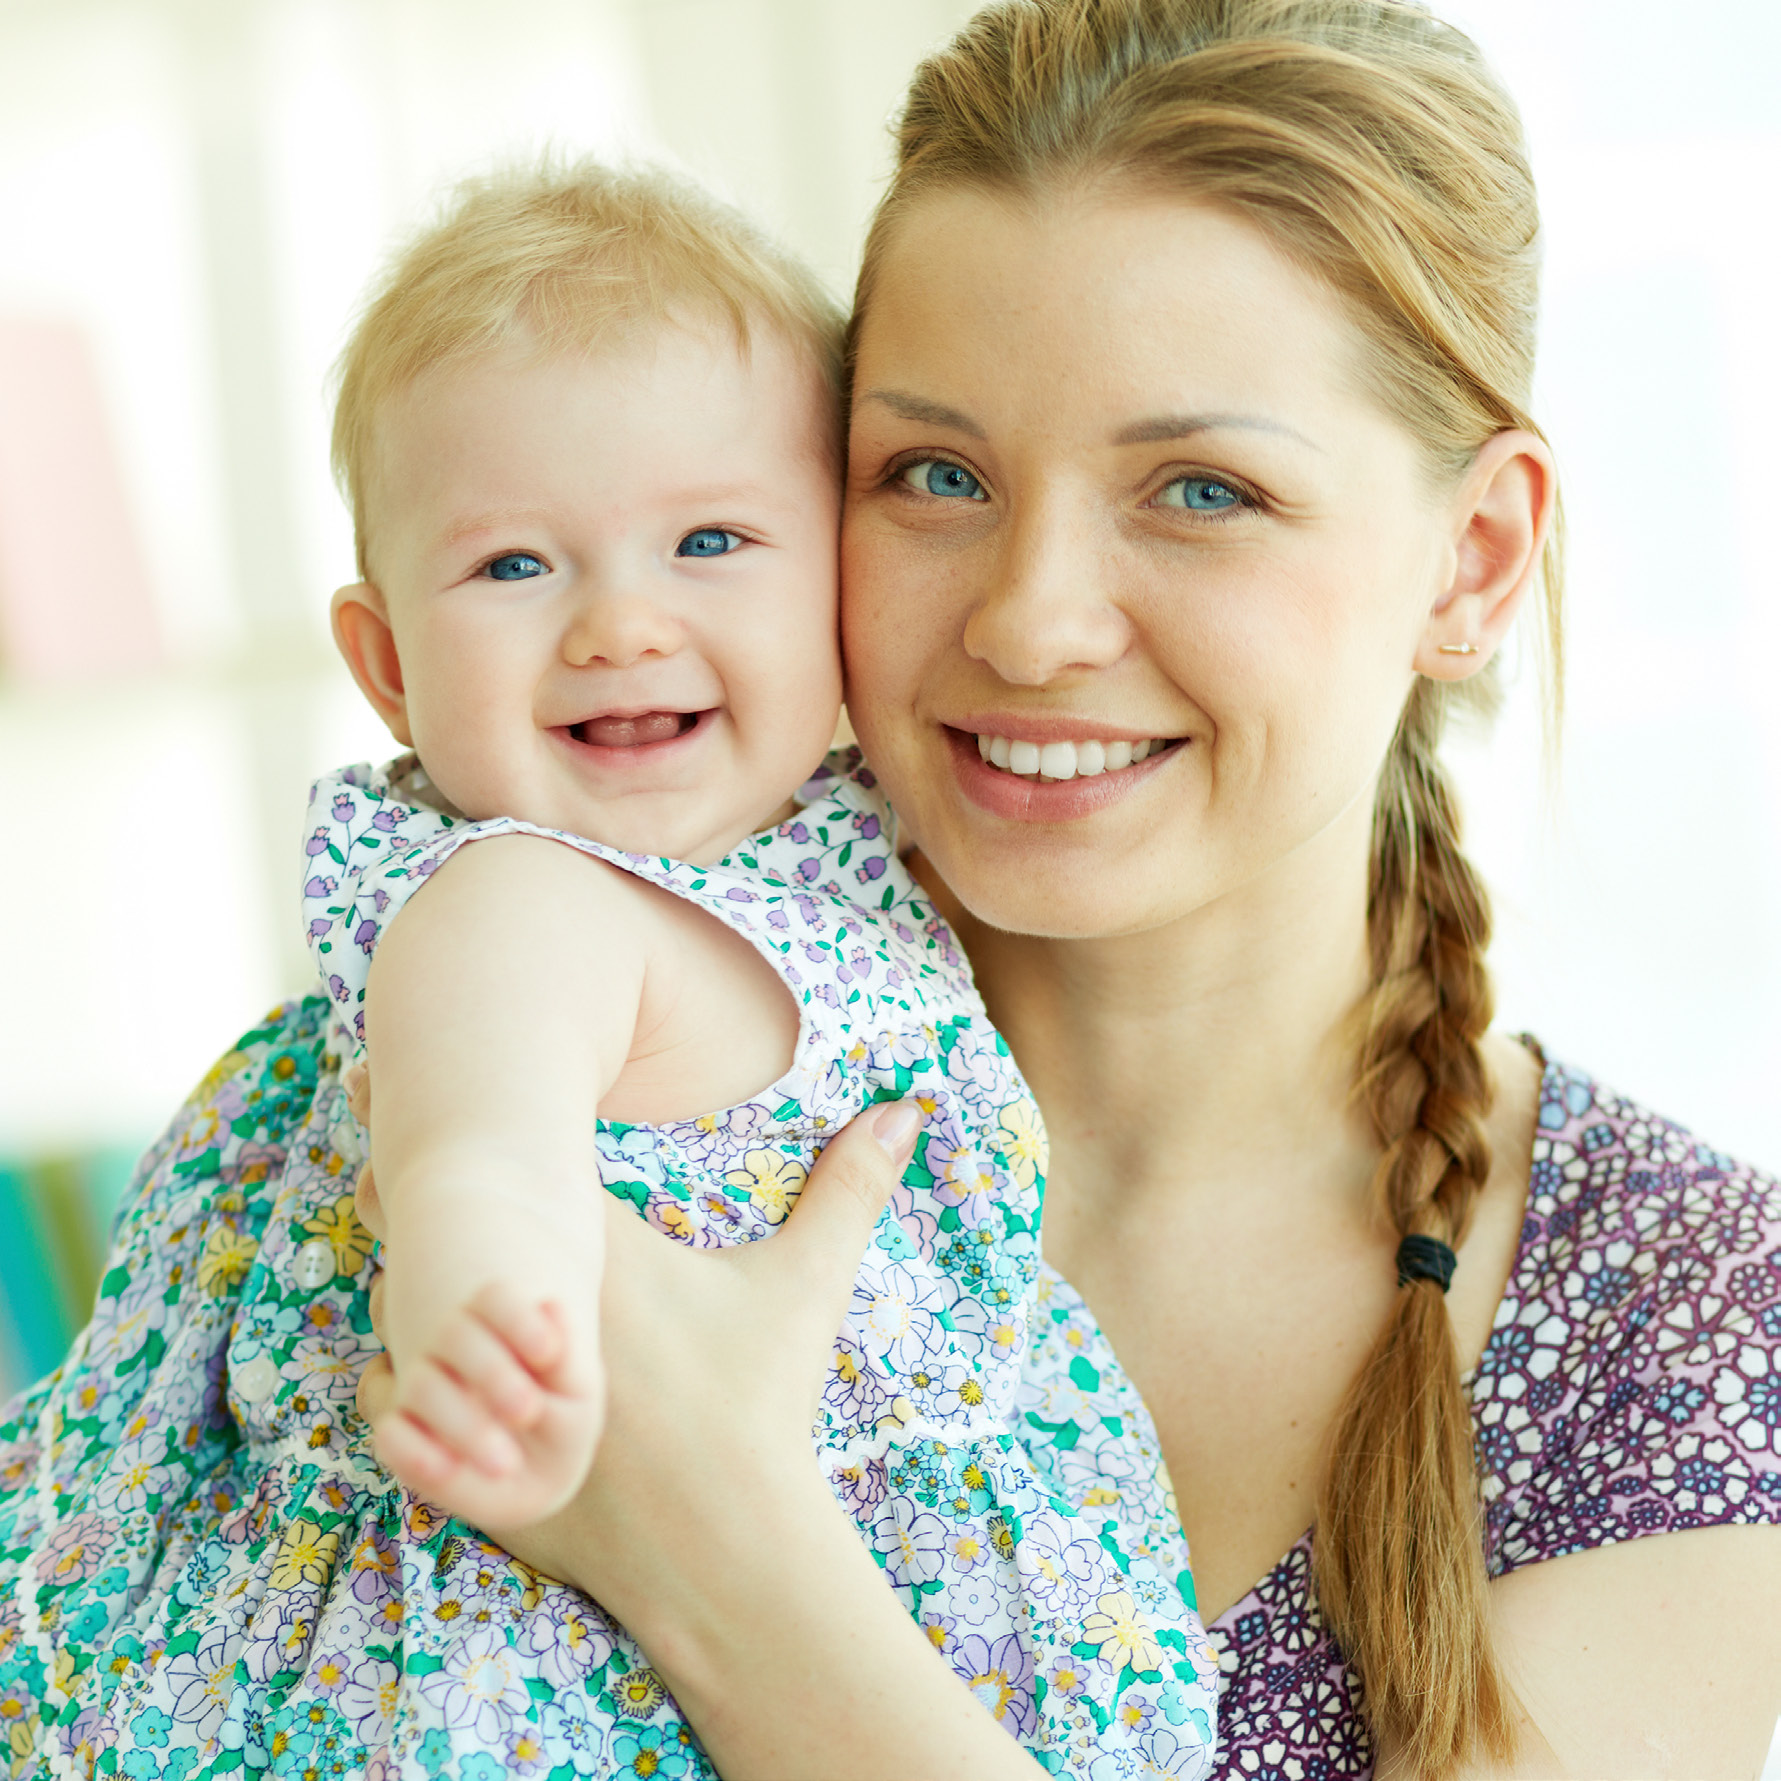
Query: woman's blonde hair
[
  {"x": 565, "y": 257},
  {"x": 1375, "y": 148}
]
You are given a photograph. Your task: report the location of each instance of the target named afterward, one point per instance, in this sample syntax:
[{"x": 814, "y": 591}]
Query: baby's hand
[{"x": 499, "y": 1395}]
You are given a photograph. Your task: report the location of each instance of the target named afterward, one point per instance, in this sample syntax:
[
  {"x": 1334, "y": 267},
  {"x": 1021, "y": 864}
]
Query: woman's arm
[
  {"x": 1649, "y": 1658},
  {"x": 706, "y": 1527}
]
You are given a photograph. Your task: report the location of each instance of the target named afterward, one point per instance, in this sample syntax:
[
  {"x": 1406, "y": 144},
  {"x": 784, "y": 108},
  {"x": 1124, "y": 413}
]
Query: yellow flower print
[
  {"x": 1116, "y": 1622},
  {"x": 226, "y": 1259},
  {"x": 1100, "y": 1497},
  {"x": 340, "y": 1225},
  {"x": 639, "y": 1694},
  {"x": 677, "y": 1223},
  {"x": 219, "y": 1073},
  {"x": 771, "y": 1179},
  {"x": 305, "y": 1555},
  {"x": 1025, "y": 1141}
]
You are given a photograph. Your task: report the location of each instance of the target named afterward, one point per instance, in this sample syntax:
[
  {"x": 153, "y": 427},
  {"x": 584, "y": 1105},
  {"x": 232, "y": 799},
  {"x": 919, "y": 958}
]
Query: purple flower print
[
  {"x": 330, "y": 1672},
  {"x": 319, "y": 927},
  {"x": 913, "y": 1545},
  {"x": 321, "y": 887},
  {"x": 375, "y": 1567},
  {"x": 861, "y": 1488},
  {"x": 337, "y": 988},
  {"x": 736, "y": 894},
  {"x": 75, "y": 1550},
  {"x": 808, "y": 869},
  {"x": 807, "y": 906},
  {"x": 777, "y": 918},
  {"x": 872, "y": 869},
  {"x": 1000, "y": 1673},
  {"x": 568, "y": 1643},
  {"x": 387, "y": 820},
  {"x": 368, "y": 1698},
  {"x": 796, "y": 833},
  {"x": 343, "y": 808},
  {"x": 365, "y": 936},
  {"x": 317, "y": 843},
  {"x": 380, "y": 899}
]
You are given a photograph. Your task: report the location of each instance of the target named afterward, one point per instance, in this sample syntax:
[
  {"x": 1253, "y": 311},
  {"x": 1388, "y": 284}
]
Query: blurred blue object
[{"x": 55, "y": 1222}]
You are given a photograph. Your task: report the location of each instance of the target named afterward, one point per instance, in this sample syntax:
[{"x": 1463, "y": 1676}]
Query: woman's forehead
[{"x": 1133, "y": 301}]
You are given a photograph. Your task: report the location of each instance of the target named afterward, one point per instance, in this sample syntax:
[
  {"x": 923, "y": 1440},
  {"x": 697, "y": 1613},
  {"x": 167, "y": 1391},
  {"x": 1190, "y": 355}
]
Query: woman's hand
[{"x": 707, "y": 1528}]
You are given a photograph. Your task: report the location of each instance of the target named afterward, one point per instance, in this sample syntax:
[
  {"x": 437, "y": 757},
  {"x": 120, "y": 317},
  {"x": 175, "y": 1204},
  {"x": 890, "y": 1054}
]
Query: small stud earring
[{"x": 1457, "y": 649}]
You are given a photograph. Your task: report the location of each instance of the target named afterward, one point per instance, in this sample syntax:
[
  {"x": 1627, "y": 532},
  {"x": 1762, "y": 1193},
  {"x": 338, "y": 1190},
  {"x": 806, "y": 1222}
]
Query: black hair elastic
[{"x": 1426, "y": 1258}]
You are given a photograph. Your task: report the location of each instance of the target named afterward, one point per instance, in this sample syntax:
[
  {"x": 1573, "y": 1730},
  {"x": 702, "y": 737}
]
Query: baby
[{"x": 590, "y": 432}]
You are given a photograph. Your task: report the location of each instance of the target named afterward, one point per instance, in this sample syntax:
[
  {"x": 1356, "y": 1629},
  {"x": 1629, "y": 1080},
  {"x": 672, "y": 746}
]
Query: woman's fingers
[
  {"x": 367, "y": 1207},
  {"x": 375, "y": 1298},
  {"x": 839, "y": 1206},
  {"x": 377, "y": 1384},
  {"x": 356, "y": 1080}
]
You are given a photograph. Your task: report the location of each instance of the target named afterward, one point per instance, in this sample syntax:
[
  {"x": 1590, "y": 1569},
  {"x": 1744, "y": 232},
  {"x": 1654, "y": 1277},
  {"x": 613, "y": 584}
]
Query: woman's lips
[{"x": 1006, "y": 794}]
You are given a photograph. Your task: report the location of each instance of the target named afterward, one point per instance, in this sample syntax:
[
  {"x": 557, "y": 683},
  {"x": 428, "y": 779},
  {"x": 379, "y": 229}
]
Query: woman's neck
[{"x": 1201, "y": 1054}]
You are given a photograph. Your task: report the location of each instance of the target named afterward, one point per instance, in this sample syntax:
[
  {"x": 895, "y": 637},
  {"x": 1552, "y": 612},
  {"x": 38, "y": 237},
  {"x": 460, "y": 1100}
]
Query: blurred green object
[{"x": 55, "y": 1222}]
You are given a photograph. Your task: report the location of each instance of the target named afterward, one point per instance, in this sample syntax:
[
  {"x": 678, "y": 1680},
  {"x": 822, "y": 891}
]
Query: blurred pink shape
[{"x": 74, "y": 597}]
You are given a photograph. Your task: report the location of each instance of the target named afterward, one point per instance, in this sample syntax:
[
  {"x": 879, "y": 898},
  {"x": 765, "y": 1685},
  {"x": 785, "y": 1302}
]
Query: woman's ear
[
  {"x": 363, "y": 635},
  {"x": 1502, "y": 513}
]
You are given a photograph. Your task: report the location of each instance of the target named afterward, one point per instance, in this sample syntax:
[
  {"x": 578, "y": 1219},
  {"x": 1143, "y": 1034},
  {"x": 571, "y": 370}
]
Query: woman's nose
[
  {"x": 618, "y": 628},
  {"x": 1047, "y": 605}
]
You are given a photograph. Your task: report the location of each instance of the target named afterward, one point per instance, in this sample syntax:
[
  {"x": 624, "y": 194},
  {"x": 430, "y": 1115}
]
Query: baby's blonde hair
[{"x": 565, "y": 258}]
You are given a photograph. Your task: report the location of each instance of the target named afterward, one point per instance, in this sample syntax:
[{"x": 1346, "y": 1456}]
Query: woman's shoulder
[{"x": 1632, "y": 1382}]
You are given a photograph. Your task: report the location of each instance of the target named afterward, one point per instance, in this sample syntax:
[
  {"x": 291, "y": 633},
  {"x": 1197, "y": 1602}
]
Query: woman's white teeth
[{"x": 1064, "y": 760}]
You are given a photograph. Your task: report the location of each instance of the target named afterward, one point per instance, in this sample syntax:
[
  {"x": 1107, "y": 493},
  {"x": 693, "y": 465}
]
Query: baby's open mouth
[{"x": 634, "y": 731}]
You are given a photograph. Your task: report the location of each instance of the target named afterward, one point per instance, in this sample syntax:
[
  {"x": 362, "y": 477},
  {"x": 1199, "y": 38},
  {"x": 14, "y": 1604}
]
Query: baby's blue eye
[
  {"x": 518, "y": 565},
  {"x": 935, "y": 476},
  {"x": 708, "y": 541},
  {"x": 1200, "y": 494}
]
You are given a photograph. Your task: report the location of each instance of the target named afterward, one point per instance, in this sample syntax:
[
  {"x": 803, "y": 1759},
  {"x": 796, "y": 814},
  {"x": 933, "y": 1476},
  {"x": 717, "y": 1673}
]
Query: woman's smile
[{"x": 1052, "y": 769}]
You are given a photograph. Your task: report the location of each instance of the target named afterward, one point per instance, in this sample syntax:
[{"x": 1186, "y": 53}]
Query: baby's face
[{"x": 609, "y": 586}]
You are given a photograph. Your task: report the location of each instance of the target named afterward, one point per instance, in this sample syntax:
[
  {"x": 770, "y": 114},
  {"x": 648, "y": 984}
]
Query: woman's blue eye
[
  {"x": 1200, "y": 494},
  {"x": 708, "y": 541},
  {"x": 518, "y": 565},
  {"x": 935, "y": 476}
]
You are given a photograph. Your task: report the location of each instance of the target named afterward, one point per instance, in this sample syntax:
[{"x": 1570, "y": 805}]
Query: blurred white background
[{"x": 205, "y": 186}]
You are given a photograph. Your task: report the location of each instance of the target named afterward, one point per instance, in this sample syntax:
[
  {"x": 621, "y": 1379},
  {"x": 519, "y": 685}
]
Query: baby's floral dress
[{"x": 205, "y": 1571}]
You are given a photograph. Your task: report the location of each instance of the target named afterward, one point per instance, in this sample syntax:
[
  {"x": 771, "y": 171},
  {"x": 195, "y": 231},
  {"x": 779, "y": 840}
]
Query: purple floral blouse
[{"x": 1631, "y": 1385}]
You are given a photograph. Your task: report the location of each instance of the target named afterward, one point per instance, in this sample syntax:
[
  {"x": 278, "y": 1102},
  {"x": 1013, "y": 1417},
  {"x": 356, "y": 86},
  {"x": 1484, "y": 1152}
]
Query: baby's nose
[{"x": 619, "y": 629}]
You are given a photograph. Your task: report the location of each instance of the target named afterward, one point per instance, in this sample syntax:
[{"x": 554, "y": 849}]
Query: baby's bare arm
[{"x": 501, "y": 1006}]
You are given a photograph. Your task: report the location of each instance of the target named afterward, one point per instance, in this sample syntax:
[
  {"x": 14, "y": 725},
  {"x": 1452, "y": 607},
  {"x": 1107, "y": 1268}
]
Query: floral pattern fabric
[
  {"x": 1631, "y": 1385},
  {"x": 204, "y": 1571}
]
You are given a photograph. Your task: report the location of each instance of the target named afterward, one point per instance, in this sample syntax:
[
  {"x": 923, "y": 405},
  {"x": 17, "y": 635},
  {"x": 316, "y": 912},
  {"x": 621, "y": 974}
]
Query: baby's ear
[{"x": 363, "y": 635}]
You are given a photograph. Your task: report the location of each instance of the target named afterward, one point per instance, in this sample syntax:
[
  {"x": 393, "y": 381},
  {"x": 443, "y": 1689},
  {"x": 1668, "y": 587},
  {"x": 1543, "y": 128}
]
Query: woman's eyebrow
[
  {"x": 1182, "y": 426},
  {"x": 930, "y": 414}
]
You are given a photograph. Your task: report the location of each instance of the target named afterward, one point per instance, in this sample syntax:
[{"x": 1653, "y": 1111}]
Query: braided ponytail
[
  {"x": 1399, "y": 1556},
  {"x": 1371, "y": 143}
]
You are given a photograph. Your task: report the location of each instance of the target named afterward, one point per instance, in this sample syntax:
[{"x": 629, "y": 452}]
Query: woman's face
[{"x": 1114, "y": 480}]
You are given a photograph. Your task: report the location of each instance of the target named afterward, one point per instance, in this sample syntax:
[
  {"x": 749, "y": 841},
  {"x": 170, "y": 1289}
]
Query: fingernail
[{"x": 895, "y": 1127}]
